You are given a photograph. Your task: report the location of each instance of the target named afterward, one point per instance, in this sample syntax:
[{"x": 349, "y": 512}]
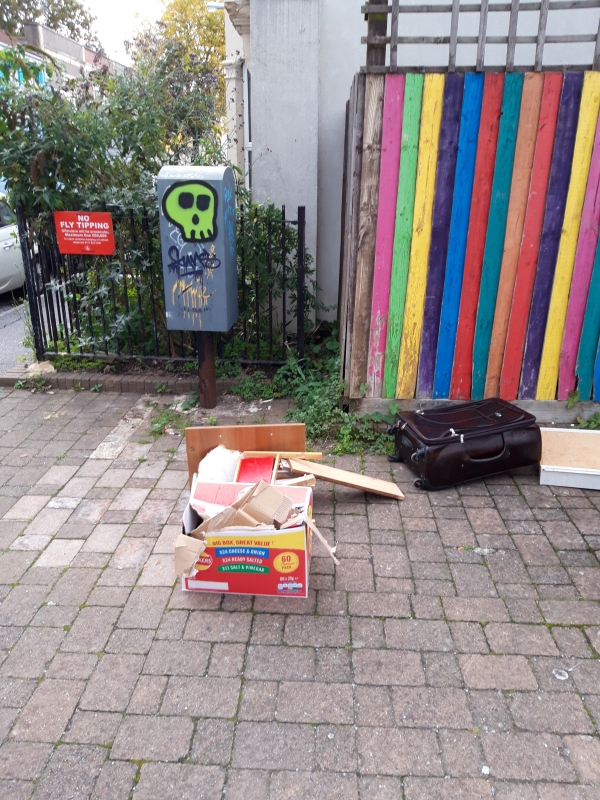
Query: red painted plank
[
  {"x": 252, "y": 470},
  {"x": 517, "y": 327},
  {"x": 460, "y": 387}
]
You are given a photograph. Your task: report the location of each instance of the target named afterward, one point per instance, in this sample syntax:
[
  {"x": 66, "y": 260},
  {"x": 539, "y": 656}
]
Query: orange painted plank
[
  {"x": 517, "y": 206},
  {"x": 460, "y": 386},
  {"x": 532, "y": 229}
]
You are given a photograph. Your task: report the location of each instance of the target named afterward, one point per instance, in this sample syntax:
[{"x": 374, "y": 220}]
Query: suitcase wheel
[{"x": 420, "y": 483}]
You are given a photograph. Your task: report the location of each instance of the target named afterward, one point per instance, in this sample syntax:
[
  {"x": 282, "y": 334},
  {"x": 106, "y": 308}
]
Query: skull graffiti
[{"x": 192, "y": 207}]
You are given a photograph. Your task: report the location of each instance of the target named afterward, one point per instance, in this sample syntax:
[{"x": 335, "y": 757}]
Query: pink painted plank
[
  {"x": 582, "y": 273},
  {"x": 386, "y": 217}
]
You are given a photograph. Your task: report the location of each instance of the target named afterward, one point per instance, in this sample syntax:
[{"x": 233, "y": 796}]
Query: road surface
[{"x": 12, "y": 330}]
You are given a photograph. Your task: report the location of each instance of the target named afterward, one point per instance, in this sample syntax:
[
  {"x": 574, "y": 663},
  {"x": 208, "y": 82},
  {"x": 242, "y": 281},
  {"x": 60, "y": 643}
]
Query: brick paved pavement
[{"x": 453, "y": 654}]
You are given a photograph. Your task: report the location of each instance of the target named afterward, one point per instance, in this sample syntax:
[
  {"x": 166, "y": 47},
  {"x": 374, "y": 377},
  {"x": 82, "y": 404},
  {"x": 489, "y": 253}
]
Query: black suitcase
[{"x": 466, "y": 441}]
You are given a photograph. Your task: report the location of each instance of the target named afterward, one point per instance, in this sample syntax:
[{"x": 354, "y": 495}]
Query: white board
[{"x": 570, "y": 457}]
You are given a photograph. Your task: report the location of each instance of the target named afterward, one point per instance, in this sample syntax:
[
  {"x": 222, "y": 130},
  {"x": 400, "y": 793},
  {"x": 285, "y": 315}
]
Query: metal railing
[{"x": 99, "y": 307}]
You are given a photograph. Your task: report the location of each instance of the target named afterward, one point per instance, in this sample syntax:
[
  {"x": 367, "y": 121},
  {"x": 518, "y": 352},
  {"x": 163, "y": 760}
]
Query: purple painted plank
[
  {"x": 560, "y": 172},
  {"x": 440, "y": 229}
]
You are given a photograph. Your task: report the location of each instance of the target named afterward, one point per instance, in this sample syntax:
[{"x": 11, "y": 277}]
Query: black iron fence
[{"x": 113, "y": 306}]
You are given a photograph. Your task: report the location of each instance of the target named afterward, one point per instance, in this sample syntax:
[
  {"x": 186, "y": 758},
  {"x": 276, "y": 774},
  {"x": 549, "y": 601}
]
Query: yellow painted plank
[
  {"x": 431, "y": 116},
  {"x": 586, "y": 129}
]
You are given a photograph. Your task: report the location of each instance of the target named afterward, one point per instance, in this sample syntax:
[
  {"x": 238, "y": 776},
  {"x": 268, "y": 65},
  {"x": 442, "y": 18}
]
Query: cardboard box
[{"x": 257, "y": 561}]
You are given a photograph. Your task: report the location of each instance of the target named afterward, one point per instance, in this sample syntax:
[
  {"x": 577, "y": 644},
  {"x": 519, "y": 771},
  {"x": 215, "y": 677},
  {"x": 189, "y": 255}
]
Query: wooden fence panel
[
  {"x": 494, "y": 243},
  {"x": 386, "y": 215},
  {"x": 440, "y": 229},
  {"x": 431, "y": 115},
  {"x": 560, "y": 171},
  {"x": 590, "y": 334}
]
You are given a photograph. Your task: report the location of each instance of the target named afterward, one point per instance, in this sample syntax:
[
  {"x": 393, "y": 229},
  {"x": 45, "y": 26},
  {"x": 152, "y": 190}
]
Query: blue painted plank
[
  {"x": 494, "y": 242},
  {"x": 590, "y": 334},
  {"x": 459, "y": 228},
  {"x": 442, "y": 211},
  {"x": 597, "y": 376},
  {"x": 558, "y": 185}
]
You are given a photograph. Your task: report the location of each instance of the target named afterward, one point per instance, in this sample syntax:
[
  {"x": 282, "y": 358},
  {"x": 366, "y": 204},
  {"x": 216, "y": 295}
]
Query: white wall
[
  {"x": 284, "y": 40},
  {"x": 340, "y": 56}
]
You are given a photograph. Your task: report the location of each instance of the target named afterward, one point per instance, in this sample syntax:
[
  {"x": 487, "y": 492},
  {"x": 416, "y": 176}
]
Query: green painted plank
[{"x": 411, "y": 117}]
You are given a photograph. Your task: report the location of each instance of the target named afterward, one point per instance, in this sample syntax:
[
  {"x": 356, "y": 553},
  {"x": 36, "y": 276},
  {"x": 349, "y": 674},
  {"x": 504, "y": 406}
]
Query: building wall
[
  {"x": 340, "y": 56},
  {"x": 284, "y": 41}
]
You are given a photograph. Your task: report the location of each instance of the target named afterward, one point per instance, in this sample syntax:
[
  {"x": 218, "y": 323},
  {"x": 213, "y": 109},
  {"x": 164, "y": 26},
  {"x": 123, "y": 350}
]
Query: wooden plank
[
  {"x": 582, "y": 274},
  {"x": 386, "y": 218},
  {"x": 345, "y": 478},
  {"x": 590, "y": 334},
  {"x": 411, "y": 116},
  {"x": 560, "y": 171},
  {"x": 597, "y": 376},
  {"x": 283, "y": 454},
  {"x": 200, "y": 441},
  {"x": 586, "y": 129},
  {"x": 541, "y": 36},
  {"x": 353, "y": 205},
  {"x": 517, "y": 209},
  {"x": 578, "y": 449},
  {"x": 512, "y": 35},
  {"x": 494, "y": 242},
  {"x": 530, "y": 244},
  {"x": 453, "y": 36},
  {"x": 365, "y": 260},
  {"x": 460, "y": 385},
  {"x": 394, "y": 36},
  {"x": 440, "y": 229},
  {"x": 431, "y": 115},
  {"x": 483, "y": 15},
  {"x": 459, "y": 226}
]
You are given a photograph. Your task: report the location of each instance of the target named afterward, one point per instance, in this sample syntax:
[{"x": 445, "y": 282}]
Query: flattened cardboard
[{"x": 187, "y": 551}]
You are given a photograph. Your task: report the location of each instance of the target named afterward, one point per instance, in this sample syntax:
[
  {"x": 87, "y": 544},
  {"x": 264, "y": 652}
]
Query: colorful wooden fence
[{"x": 478, "y": 265}]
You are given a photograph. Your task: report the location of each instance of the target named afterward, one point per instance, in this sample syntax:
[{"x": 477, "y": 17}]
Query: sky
[{"x": 117, "y": 20}]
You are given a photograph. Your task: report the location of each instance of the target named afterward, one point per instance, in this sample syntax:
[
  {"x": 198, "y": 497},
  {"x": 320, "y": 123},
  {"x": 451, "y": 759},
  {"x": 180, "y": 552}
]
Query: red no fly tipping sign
[{"x": 84, "y": 233}]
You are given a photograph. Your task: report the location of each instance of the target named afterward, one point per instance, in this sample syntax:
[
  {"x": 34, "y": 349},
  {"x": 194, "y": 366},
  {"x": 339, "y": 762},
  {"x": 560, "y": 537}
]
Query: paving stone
[
  {"x": 315, "y": 703},
  {"x": 115, "y": 781},
  {"x": 387, "y": 667},
  {"x": 280, "y": 663},
  {"x": 317, "y": 632},
  {"x": 129, "y": 640},
  {"x": 33, "y": 651},
  {"x": 584, "y": 752},
  {"x": 181, "y": 781},
  {"x": 549, "y": 791},
  {"x": 91, "y": 630},
  {"x": 354, "y": 574},
  {"x": 144, "y": 608},
  {"x": 435, "y": 708},
  {"x": 367, "y": 633},
  {"x": 452, "y": 789},
  {"x": 104, "y": 538},
  {"x": 212, "y": 743},
  {"x": 259, "y": 701},
  {"x": 528, "y": 640},
  {"x": 226, "y": 660},
  {"x": 550, "y": 713},
  {"x": 201, "y": 697},
  {"x": 147, "y": 695},
  {"x": 379, "y": 788},
  {"x": 473, "y": 580},
  {"x": 14, "y": 565},
  {"x": 461, "y": 753},
  {"x": 504, "y": 790},
  {"x": 143, "y": 738},
  {"x": 45, "y": 716},
  {"x": 177, "y": 658},
  {"x": 247, "y": 784},
  {"x": 336, "y": 748},
  {"x": 441, "y": 669},
  {"x": 265, "y": 745},
  {"x": 412, "y": 634},
  {"x": 27, "y": 507},
  {"x": 92, "y": 727},
  {"x": 111, "y": 685},
  {"x": 373, "y": 604},
  {"x": 526, "y": 756},
  {"x": 587, "y": 676},
  {"x": 71, "y": 772},
  {"x": 132, "y": 553},
  {"x": 497, "y": 672},
  {"x": 468, "y": 637},
  {"x": 220, "y": 626},
  {"x": 74, "y": 586},
  {"x": 313, "y": 786},
  {"x": 475, "y": 610},
  {"x": 23, "y": 760},
  {"x": 393, "y": 751}
]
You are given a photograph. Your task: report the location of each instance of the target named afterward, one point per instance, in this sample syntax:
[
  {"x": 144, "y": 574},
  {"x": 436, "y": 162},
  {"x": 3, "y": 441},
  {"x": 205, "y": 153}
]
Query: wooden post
[
  {"x": 376, "y": 52},
  {"x": 207, "y": 379}
]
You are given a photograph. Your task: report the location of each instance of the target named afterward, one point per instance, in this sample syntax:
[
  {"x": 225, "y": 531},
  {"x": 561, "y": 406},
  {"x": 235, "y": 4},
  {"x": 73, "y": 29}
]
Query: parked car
[{"x": 12, "y": 273}]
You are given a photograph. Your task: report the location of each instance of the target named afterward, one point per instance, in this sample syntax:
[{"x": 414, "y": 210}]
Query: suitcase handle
[{"x": 502, "y": 454}]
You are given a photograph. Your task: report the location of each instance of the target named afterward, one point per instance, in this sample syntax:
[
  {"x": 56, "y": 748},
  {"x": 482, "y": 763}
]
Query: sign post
[{"x": 198, "y": 243}]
